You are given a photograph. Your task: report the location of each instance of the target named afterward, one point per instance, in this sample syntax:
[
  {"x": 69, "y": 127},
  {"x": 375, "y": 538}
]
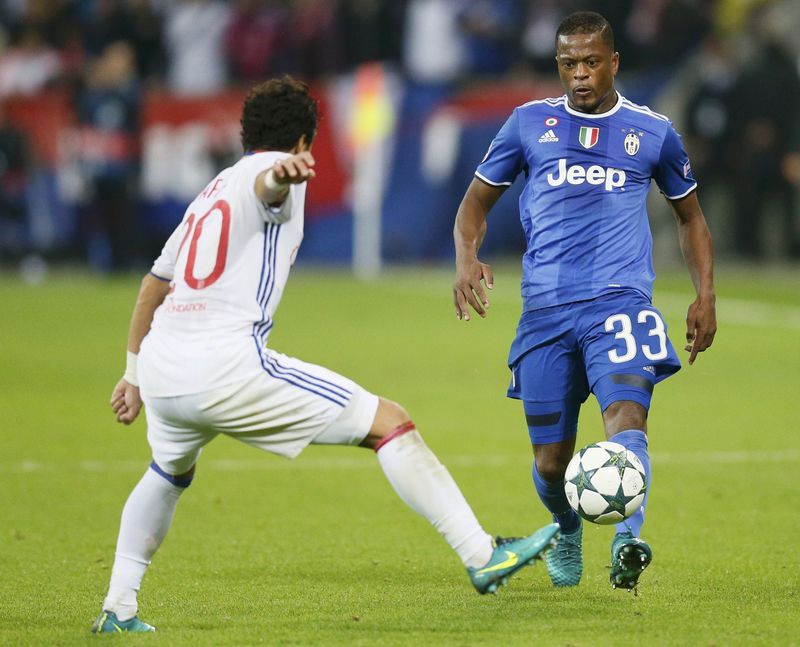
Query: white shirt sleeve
[
  {"x": 280, "y": 214},
  {"x": 164, "y": 266},
  {"x": 274, "y": 215}
]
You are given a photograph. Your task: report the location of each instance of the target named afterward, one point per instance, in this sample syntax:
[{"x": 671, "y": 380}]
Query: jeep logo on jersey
[
  {"x": 588, "y": 136},
  {"x": 612, "y": 178}
]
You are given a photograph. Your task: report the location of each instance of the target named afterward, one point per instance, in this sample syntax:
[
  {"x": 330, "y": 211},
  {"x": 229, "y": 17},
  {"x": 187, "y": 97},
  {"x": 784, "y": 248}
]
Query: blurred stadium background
[{"x": 114, "y": 113}]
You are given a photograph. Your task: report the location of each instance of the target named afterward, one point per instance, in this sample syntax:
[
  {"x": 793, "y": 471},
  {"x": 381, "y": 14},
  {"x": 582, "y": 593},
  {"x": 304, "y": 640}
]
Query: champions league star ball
[{"x": 605, "y": 483}]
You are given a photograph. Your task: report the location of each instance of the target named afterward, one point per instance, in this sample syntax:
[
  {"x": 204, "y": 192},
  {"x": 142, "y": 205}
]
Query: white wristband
[
  {"x": 273, "y": 185},
  {"x": 131, "y": 376}
]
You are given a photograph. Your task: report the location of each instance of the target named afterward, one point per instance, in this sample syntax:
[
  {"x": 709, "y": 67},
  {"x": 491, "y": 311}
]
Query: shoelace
[
  {"x": 501, "y": 541},
  {"x": 565, "y": 548}
]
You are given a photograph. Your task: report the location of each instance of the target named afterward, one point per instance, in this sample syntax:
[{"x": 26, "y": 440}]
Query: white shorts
[{"x": 281, "y": 411}]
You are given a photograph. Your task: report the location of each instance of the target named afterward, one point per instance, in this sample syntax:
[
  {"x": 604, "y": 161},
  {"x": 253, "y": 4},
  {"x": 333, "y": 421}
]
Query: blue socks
[
  {"x": 635, "y": 441},
  {"x": 555, "y": 500}
]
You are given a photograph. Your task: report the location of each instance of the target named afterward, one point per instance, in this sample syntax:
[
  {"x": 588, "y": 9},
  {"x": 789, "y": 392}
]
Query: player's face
[{"x": 587, "y": 68}]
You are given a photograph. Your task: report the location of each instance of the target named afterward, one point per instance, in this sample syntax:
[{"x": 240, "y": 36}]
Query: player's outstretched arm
[
  {"x": 272, "y": 185},
  {"x": 469, "y": 231},
  {"x": 126, "y": 401},
  {"x": 695, "y": 241}
]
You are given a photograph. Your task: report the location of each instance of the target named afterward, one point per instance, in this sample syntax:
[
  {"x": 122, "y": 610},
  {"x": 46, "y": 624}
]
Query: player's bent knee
[
  {"x": 552, "y": 465},
  {"x": 391, "y": 420},
  {"x": 389, "y": 416},
  {"x": 551, "y": 472},
  {"x": 623, "y": 415}
]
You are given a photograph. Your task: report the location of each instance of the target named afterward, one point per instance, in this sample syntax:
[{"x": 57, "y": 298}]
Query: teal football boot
[
  {"x": 629, "y": 557},
  {"x": 108, "y": 623},
  {"x": 565, "y": 562},
  {"x": 510, "y": 555}
]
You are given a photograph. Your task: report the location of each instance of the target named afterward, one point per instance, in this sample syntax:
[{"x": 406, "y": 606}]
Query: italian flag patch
[{"x": 588, "y": 136}]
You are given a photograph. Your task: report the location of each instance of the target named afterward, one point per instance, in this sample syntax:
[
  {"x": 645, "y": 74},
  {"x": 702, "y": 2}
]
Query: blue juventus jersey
[{"x": 583, "y": 208}]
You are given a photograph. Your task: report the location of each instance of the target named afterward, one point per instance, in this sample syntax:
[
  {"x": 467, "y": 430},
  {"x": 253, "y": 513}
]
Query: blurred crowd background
[{"x": 115, "y": 113}]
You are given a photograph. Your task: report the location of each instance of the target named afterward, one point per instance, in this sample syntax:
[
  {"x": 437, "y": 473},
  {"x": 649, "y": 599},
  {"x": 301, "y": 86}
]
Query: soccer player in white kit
[{"x": 198, "y": 359}]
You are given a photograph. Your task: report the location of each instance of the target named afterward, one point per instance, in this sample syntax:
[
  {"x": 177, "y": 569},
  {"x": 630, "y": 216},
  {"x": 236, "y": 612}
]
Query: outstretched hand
[
  {"x": 295, "y": 169},
  {"x": 126, "y": 402},
  {"x": 471, "y": 276},
  {"x": 701, "y": 326}
]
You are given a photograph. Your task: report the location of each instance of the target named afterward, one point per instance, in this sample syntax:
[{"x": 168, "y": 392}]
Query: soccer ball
[{"x": 605, "y": 483}]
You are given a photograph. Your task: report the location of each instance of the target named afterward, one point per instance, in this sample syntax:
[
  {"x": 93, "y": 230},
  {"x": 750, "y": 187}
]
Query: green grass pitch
[{"x": 320, "y": 551}]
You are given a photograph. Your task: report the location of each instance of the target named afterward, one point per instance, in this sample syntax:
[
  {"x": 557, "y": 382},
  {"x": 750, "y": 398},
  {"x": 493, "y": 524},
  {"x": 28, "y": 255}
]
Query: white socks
[
  {"x": 427, "y": 488},
  {"x": 410, "y": 466},
  {"x": 146, "y": 518}
]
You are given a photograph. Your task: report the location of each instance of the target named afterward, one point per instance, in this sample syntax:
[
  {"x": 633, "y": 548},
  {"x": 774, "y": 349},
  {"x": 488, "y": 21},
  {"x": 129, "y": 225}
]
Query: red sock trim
[{"x": 399, "y": 431}]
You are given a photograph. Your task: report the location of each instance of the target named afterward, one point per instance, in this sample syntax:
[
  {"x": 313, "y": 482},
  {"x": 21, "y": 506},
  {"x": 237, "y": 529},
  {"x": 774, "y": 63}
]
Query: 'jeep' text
[{"x": 612, "y": 178}]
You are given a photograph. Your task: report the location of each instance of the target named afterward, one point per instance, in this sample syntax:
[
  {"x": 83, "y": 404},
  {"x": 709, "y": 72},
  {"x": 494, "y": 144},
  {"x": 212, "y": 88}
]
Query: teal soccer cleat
[
  {"x": 509, "y": 556},
  {"x": 565, "y": 562},
  {"x": 108, "y": 623},
  {"x": 629, "y": 557}
]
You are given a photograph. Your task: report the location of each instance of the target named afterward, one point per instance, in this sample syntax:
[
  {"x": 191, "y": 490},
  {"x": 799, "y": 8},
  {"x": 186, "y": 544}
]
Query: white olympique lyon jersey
[{"x": 227, "y": 263}]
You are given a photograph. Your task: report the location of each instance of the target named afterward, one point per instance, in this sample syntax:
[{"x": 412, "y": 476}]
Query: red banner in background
[
  {"x": 181, "y": 142},
  {"x": 496, "y": 100},
  {"x": 44, "y": 118},
  {"x": 215, "y": 119}
]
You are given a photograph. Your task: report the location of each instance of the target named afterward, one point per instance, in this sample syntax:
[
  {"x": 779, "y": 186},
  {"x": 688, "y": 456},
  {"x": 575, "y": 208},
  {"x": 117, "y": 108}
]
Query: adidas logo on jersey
[{"x": 548, "y": 137}]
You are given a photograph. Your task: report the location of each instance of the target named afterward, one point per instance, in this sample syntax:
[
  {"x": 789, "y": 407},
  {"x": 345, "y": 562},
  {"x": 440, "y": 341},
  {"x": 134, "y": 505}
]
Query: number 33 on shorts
[{"x": 643, "y": 333}]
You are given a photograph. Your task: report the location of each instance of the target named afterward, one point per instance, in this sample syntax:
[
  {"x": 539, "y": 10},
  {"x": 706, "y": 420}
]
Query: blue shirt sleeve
[
  {"x": 505, "y": 158},
  {"x": 673, "y": 173}
]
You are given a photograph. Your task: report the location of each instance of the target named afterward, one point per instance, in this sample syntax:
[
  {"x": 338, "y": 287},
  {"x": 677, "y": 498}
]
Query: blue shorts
[{"x": 614, "y": 346}]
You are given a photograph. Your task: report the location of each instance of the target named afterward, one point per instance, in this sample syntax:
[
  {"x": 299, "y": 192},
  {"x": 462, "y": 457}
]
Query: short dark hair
[
  {"x": 277, "y": 113},
  {"x": 586, "y": 22}
]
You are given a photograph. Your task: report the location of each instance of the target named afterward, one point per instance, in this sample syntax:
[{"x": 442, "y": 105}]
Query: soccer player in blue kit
[{"x": 588, "y": 324}]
